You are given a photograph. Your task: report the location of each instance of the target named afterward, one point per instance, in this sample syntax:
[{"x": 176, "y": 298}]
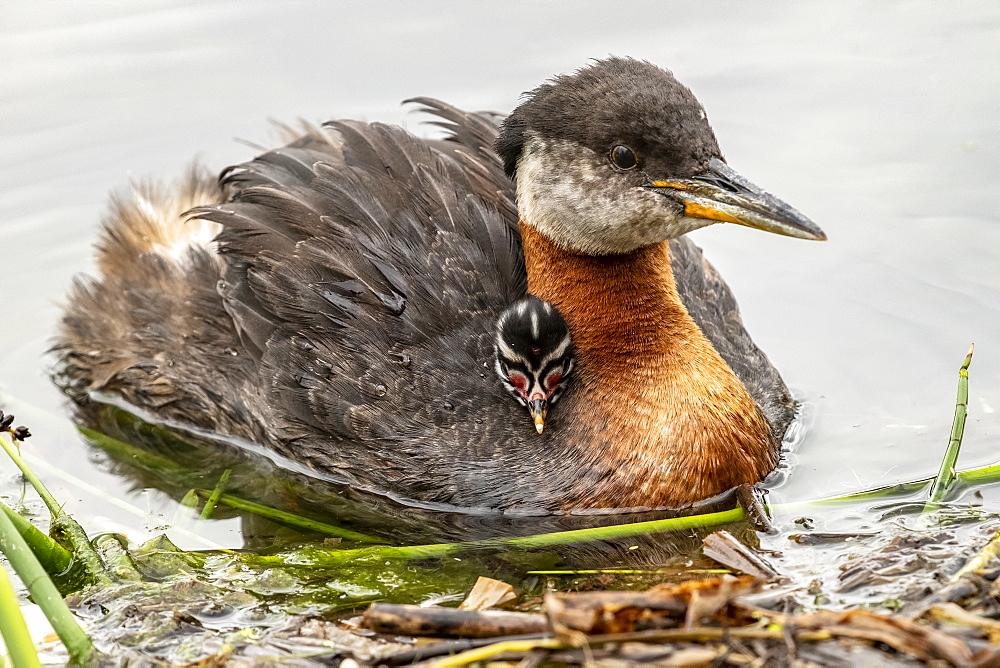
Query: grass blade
[
  {"x": 53, "y": 556},
  {"x": 20, "y": 647},
  {"x": 946, "y": 474},
  {"x": 43, "y": 591},
  {"x": 289, "y": 518}
]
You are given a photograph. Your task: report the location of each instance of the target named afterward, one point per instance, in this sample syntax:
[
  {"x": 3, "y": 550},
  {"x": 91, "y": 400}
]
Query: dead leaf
[
  {"x": 723, "y": 547},
  {"x": 488, "y": 593},
  {"x": 949, "y": 612}
]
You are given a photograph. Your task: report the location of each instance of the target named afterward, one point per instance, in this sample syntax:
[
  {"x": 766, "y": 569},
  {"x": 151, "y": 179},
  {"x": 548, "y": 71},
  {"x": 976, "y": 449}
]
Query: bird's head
[
  {"x": 619, "y": 156},
  {"x": 534, "y": 355}
]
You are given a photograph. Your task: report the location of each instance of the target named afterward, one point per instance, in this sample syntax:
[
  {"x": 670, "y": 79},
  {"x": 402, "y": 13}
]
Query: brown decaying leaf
[
  {"x": 488, "y": 593},
  {"x": 953, "y": 614},
  {"x": 725, "y": 548}
]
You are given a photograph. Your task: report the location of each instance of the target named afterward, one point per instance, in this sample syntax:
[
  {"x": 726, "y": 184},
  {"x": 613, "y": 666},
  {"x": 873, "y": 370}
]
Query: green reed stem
[
  {"x": 53, "y": 556},
  {"x": 321, "y": 557},
  {"x": 43, "y": 591},
  {"x": 20, "y": 647},
  {"x": 62, "y": 524},
  {"x": 330, "y": 558},
  {"x": 7, "y": 443},
  {"x": 213, "y": 498},
  {"x": 946, "y": 474},
  {"x": 289, "y": 518}
]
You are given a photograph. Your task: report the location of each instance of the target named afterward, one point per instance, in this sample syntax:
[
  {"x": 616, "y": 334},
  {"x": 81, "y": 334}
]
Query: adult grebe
[{"x": 336, "y": 300}]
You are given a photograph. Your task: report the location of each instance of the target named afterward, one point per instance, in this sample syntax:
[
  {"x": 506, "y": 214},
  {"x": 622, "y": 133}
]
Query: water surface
[{"x": 877, "y": 120}]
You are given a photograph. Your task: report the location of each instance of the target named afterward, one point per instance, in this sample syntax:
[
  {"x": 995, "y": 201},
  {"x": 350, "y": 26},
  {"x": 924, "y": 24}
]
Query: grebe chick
[{"x": 534, "y": 355}]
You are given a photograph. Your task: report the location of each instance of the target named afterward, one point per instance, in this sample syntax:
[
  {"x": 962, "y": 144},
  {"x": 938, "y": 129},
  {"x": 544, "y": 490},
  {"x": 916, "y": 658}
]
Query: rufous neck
[
  {"x": 684, "y": 427},
  {"x": 623, "y": 310}
]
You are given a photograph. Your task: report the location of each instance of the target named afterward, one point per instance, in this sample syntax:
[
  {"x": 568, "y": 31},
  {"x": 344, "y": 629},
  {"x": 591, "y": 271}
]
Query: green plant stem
[
  {"x": 148, "y": 460},
  {"x": 213, "y": 498},
  {"x": 946, "y": 474},
  {"x": 152, "y": 462},
  {"x": 69, "y": 530},
  {"x": 12, "y": 451},
  {"x": 984, "y": 475},
  {"x": 981, "y": 476},
  {"x": 290, "y": 518},
  {"x": 43, "y": 591},
  {"x": 113, "y": 500},
  {"x": 13, "y": 628},
  {"x": 887, "y": 492},
  {"x": 328, "y": 558},
  {"x": 62, "y": 524},
  {"x": 632, "y": 571},
  {"x": 53, "y": 556}
]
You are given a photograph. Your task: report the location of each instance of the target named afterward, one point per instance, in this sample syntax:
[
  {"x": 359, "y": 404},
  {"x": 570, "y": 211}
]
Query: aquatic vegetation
[{"x": 156, "y": 600}]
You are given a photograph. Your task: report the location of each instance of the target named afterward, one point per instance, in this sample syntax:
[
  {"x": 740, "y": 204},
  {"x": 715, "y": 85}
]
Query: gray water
[{"x": 881, "y": 121}]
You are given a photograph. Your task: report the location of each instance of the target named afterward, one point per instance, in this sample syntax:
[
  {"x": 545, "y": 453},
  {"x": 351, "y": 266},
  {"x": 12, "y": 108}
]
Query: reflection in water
[{"x": 151, "y": 455}]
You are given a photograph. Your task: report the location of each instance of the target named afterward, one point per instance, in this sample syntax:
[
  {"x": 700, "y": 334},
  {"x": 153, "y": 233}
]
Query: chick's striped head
[{"x": 534, "y": 355}]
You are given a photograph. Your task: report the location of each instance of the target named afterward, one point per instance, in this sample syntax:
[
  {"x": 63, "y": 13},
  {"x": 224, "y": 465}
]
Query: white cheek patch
[
  {"x": 574, "y": 198},
  {"x": 685, "y": 224},
  {"x": 498, "y": 367}
]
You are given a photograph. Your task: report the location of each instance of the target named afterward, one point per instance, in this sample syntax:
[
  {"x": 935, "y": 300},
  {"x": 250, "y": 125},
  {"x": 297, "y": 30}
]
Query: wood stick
[{"x": 449, "y": 622}]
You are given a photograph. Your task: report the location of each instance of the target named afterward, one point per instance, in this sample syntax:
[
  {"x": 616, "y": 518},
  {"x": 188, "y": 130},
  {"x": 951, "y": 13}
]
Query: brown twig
[{"x": 450, "y": 622}]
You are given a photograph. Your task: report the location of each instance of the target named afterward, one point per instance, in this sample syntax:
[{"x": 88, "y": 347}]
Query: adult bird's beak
[
  {"x": 721, "y": 194},
  {"x": 538, "y": 410}
]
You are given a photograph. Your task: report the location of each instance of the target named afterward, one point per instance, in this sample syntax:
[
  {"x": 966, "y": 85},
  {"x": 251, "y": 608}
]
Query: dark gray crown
[{"x": 615, "y": 101}]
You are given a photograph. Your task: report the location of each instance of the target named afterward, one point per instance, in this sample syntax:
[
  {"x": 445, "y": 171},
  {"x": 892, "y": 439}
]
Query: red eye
[
  {"x": 519, "y": 381},
  {"x": 552, "y": 380}
]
